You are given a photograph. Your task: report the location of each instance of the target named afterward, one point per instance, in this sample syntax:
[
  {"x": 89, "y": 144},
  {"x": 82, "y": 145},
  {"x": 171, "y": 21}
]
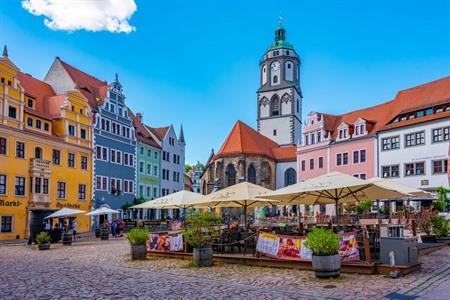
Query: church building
[{"x": 265, "y": 156}]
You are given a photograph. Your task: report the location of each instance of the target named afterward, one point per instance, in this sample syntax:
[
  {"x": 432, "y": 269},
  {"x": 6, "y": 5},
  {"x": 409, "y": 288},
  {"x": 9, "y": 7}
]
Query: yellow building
[{"x": 45, "y": 153}]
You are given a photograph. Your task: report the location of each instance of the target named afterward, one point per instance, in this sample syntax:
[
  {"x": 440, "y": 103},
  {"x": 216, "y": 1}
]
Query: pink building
[{"x": 346, "y": 143}]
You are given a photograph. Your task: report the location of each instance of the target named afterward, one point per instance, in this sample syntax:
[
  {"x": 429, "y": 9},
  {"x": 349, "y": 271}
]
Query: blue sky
[{"x": 196, "y": 62}]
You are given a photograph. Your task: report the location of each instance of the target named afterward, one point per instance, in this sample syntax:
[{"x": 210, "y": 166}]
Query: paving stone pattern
[{"x": 103, "y": 270}]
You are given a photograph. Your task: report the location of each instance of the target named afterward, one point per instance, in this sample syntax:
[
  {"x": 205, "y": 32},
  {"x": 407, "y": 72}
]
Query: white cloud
[{"x": 90, "y": 15}]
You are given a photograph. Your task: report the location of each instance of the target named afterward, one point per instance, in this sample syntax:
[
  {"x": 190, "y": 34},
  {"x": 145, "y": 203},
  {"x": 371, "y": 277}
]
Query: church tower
[{"x": 279, "y": 95}]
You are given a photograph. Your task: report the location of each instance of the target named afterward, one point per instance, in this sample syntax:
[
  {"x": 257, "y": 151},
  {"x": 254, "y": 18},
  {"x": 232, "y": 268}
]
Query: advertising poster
[
  {"x": 176, "y": 242},
  {"x": 268, "y": 244},
  {"x": 290, "y": 248},
  {"x": 165, "y": 242},
  {"x": 348, "y": 247}
]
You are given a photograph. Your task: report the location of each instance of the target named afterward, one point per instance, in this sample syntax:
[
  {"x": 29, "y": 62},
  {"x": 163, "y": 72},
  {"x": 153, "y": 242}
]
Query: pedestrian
[
  {"x": 113, "y": 228},
  {"x": 74, "y": 229}
]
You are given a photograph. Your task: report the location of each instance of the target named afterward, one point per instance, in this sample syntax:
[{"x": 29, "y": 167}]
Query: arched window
[
  {"x": 290, "y": 177},
  {"x": 275, "y": 79},
  {"x": 230, "y": 174},
  {"x": 38, "y": 153},
  {"x": 275, "y": 106},
  {"x": 251, "y": 174}
]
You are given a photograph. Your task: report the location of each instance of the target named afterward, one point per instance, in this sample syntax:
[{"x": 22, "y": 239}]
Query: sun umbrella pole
[
  {"x": 378, "y": 212},
  {"x": 337, "y": 215},
  {"x": 245, "y": 217}
]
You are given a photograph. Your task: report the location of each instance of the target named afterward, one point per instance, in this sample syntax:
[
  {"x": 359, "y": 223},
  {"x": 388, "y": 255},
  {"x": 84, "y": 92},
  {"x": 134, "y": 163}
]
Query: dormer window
[
  {"x": 360, "y": 129},
  {"x": 343, "y": 133},
  {"x": 30, "y": 103},
  {"x": 319, "y": 136}
]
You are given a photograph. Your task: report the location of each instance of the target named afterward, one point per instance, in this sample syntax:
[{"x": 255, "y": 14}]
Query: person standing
[{"x": 74, "y": 229}]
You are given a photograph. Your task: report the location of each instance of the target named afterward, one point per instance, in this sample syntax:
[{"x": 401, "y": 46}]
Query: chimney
[{"x": 139, "y": 118}]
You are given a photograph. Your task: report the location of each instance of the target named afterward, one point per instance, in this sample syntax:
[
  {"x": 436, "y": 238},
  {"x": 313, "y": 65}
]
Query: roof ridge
[{"x": 65, "y": 64}]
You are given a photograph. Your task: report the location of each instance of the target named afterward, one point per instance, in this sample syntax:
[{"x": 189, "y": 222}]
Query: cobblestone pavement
[{"x": 103, "y": 270}]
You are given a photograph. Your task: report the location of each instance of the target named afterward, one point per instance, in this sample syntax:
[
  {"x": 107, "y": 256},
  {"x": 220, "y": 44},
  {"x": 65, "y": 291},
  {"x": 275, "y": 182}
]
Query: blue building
[{"x": 114, "y": 164}]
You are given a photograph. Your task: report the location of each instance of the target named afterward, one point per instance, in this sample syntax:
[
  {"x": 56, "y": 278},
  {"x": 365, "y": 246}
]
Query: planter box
[
  {"x": 202, "y": 257},
  {"x": 138, "y": 252},
  {"x": 44, "y": 246}
]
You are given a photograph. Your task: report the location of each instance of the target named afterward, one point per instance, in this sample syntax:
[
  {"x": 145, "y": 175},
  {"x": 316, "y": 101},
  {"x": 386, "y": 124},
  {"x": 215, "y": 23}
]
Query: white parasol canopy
[
  {"x": 102, "y": 211},
  {"x": 65, "y": 212},
  {"x": 400, "y": 187},
  {"x": 180, "y": 200}
]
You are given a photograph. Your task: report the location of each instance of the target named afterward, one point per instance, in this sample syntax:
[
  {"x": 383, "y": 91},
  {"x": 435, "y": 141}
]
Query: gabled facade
[
  {"x": 45, "y": 152},
  {"x": 148, "y": 161},
  {"x": 114, "y": 136}
]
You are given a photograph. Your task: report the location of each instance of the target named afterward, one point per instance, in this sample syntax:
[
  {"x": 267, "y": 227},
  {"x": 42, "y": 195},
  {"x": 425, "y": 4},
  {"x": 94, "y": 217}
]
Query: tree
[
  {"x": 187, "y": 168},
  {"x": 441, "y": 203}
]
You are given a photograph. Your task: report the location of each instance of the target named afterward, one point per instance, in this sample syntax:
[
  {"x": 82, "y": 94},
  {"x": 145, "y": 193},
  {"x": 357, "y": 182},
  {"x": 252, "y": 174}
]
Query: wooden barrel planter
[
  {"x": 326, "y": 266},
  {"x": 45, "y": 246},
  {"x": 202, "y": 257},
  {"x": 104, "y": 233},
  {"x": 97, "y": 232},
  {"x": 67, "y": 239}
]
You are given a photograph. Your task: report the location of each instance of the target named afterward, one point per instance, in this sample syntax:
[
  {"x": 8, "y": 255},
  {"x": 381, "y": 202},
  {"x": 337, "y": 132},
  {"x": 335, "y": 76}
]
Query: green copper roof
[{"x": 280, "y": 40}]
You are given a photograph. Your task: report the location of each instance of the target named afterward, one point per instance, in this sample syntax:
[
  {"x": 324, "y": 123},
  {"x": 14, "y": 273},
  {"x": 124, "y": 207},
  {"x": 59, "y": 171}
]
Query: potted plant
[
  {"x": 425, "y": 225},
  {"x": 43, "y": 240},
  {"x": 200, "y": 231},
  {"x": 138, "y": 241},
  {"x": 441, "y": 229},
  {"x": 324, "y": 245},
  {"x": 363, "y": 207}
]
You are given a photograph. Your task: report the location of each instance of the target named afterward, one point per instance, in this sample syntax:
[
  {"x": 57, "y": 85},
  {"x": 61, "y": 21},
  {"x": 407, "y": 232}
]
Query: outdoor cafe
[{"x": 368, "y": 243}]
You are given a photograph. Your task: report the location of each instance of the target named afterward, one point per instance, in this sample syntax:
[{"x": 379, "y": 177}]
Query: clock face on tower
[{"x": 275, "y": 66}]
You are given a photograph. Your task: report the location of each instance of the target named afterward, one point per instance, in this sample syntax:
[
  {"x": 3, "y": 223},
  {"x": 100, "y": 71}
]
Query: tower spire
[
  {"x": 181, "y": 137},
  {"x": 280, "y": 32},
  {"x": 5, "y": 51}
]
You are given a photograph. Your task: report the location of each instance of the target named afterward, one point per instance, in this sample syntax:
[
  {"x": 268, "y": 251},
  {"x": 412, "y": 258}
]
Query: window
[
  {"x": 303, "y": 165},
  {"x": 71, "y": 160},
  {"x": 101, "y": 153},
  {"x": 440, "y": 166},
  {"x": 103, "y": 124},
  {"x": 83, "y": 133},
  {"x": 417, "y": 168},
  {"x": 149, "y": 169},
  {"x": 30, "y": 122},
  {"x": 141, "y": 167},
  {"x": 128, "y": 186},
  {"x": 45, "y": 186},
  {"x": 155, "y": 155},
  {"x": 56, "y": 157},
  {"x": 319, "y": 136},
  {"x": 359, "y": 156},
  {"x": 306, "y": 139},
  {"x": 313, "y": 138},
  {"x": 84, "y": 162},
  {"x": 30, "y": 103},
  {"x": 320, "y": 162},
  {"x": 12, "y": 112},
  {"x": 275, "y": 79},
  {"x": 3, "y": 146},
  {"x": 2, "y": 184},
  {"x": 274, "y": 132},
  {"x": 149, "y": 153},
  {"x": 275, "y": 107},
  {"x": 174, "y": 158},
  {"x": 390, "y": 171},
  {"x": 38, "y": 124},
  {"x": 311, "y": 164},
  {"x": 61, "y": 190},
  {"x": 6, "y": 223},
  {"x": 251, "y": 174},
  {"x": 339, "y": 159},
  {"x": 71, "y": 130},
  {"x": 82, "y": 192},
  {"x": 414, "y": 139},
  {"x": 355, "y": 157},
  {"x": 142, "y": 150},
  {"x": 360, "y": 176},
  {"x": 155, "y": 171},
  {"x": 343, "y": 133},
  {"x": 19, "y": 188},
  {"x": 38, "y": 153},
  {"x": 37, "y": 185},
  {"x": 112, "y": 107},
  {"x": 148, "y": 191},
  {"x": 155, "y": 192},
  {"x": 116, "y": 185},
  {"x": 290, "y": 177},
  {"x": 20, "y": 150},
  {"x": 46, "y": 127},
  {"x": 345, "y": 158},
  {"x": 101, "y": 183},
  {"x": 230, "y": 174},
  {"x": 441, "y": 134},
  {"x": 390, "y": 143}
]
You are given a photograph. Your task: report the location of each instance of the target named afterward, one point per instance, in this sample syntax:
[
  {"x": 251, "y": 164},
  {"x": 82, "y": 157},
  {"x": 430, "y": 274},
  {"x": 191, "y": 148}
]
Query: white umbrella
[
  {"x": 102, "y": 211},
  {"x": 400, "y": 187},
  {"x": 65, "y": 212},
  {"x": 180, "y": 200}
]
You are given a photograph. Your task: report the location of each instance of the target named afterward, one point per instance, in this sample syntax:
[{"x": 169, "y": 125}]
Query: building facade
[
  {"x": 148, "y": 162},
  {"x": 45, "y": 152},
  {"x": 403, "y": 138},
  {"x": 114, "y": 136}
]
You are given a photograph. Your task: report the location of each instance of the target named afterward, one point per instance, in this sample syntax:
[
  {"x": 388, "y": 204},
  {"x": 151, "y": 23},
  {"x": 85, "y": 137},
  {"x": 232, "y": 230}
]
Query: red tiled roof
[
  {"x": 92, "y": 88},
  {"x": 245, "y": 140},
  {"x": 436, "y": 116},
  {"x": 40, "y": 91},
  {"x": 159, "y": 132},
  {"x": 142, "y": 133},
  {"x": 425, "y": 95}
]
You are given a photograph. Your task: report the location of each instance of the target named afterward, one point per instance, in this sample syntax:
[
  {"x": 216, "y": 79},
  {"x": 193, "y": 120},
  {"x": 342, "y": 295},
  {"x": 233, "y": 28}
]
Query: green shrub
[
  {"x": 440, "y": 226},
  {"x": 43, "y": 238},
  {"x": 137, "y": 236},
  {"x": 200, "y": 230},
  {"x": 441, "y": 203},
  {"x": 322, "y": 241},
  {"x": 363, "y": 207}
]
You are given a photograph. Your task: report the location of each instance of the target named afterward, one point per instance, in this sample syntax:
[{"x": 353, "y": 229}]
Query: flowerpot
[
  {"x": 97, "y": 232},
  {"x": 326, "y": 266},
  {"x": 202, "y": 257},
  {"x": 67, "y": 239},
  {"x": 104, "y": 233},
  {"x": 428, "y": 239},
  {"x": 44, "y": 246},
  {"x": 138, "y": 252}
]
